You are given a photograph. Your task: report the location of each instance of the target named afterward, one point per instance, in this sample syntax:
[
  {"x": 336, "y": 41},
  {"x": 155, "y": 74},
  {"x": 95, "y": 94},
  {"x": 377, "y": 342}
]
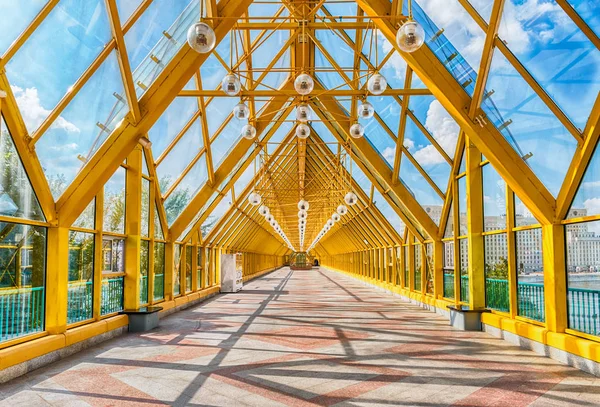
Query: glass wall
[
  {"x": 188, "y": 268},
  {"x": 417, "y": 250},
  {"x": 449, "y": 270},
  {"x": 530, "y": 274},
  {"x": 80, "y": 292},
  {"x": 583, "y": 276},
  {"x": 177, "y": 262},
  {"x": 429, "y": 269},
  {"x": 159, "y": 271},
  {"x": 22, "y": 279}
]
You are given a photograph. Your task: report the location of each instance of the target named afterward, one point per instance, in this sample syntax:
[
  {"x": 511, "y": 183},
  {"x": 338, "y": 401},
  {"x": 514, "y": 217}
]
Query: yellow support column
[
  {"x": 133, "y": 216},
  {"x": 169, "y": 278},
  {"x": 475, "y": 227},
  {"x": 438, "y": 269},
  {"x": 57, "y": 280},
  {"x": 555, "y": 277},
  {"x": 98, "y": 255}
]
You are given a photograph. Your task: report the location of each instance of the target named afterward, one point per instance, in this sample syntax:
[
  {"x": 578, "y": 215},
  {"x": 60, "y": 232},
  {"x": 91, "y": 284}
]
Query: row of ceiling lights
[
  {"x": 341, "y": 210},
  {"x": 409, "y": 38}
]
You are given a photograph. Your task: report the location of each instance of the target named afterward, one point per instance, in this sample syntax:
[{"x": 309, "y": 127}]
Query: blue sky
[{"x": 538, "y": 32}]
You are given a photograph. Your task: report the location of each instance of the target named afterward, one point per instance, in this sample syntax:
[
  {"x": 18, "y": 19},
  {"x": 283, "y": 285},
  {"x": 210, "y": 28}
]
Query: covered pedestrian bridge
[{"x": 407, "y": 194}]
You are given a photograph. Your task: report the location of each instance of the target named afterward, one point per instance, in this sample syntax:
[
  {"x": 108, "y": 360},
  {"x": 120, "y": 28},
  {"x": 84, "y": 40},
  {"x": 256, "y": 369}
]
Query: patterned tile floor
[{"x": 304, "y": 338}]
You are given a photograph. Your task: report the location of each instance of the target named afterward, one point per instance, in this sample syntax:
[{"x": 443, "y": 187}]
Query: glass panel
[
  {"x": 523, "y": 217},
  {"x": 177, "y": 260},
  {"x": 187, "y": 188},
  {"x": 418, "y": 266},
  {"x": 144, "y": 268},
  {"x": 483, "y": 7},
  {"x": 158, "y": 233},
  {"x": 464, "y": 269},
  {"x": 449, "y": 270},
  {"x": 429, "y": 268},
  {"x": 16, "y": 16},
  {"x": 587, "y": 198},
  {"x": 406, "y": 266},
  {"x": 145, "y": 165},
  {"x": 419, "y": 187},
  {"x": 226, "y": 141},
  {"x": 463, "y": 164},
  {"x": 530, "y": 274},
  {"x": 437, "y": 121},
  {"x": 81, "y": 277},
  {"x": 145, "y": 225},
  {"x": 159, "y": 271},
  {"x": 113, "y": 259},
  {"x": 188, "y": 269},
  {"x": 180, "y": 157},
  {"x": 494, "y": 199},
  {"x": 462, "y": 205},
  {"x": 170, "y": 123},
  {"x": 199, "y": 269},
  {"x": 380, "y": 139},
  {"x": 148, "y": 48},
  {"x": 556, "y": 53},
  {"x": 449, "y": 231},
  {"x": 22, "y": 282},
  {"x": 114, "y": 203},
  {"x": 427, "y": 156},
  {"x": 113, "y": 251},
  {"x": 589, "y": 11},
  {"x": 388, "y": 213},
  {"x": 528, "y": 125},
  {"x": 459, "y": 28},
  {"x": 126, "y": 8},
  {"x": 583, "y": 279},
  {"x": 496, "y": 272},
  {"x": 87, "y": 218},
  {"x": 17, "y": 198},
  {"x": 216, "y": 214},
  {"x": 55, "y": 56},
  {"x": 83, "y": 126}
]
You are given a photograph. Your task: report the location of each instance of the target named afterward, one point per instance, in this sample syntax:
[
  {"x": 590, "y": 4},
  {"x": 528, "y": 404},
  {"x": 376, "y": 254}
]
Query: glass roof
[{"x": 71, "y": 87}]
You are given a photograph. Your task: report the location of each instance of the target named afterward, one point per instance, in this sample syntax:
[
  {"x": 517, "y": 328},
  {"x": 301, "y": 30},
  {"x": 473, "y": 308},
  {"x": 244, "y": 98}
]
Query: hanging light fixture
[
  {"x": 329, "y": 222},
  {"x": 241, "y": 111},
  {"x": 304, "y": 84},
  {"x": 335, "y": 217},
  {"x": 303, "y": 205},
  {"x": 377, "y": 84},
  {"x": 302, "y": 221},
  {"x": 342, "y": 210},
  {"x": 269, "y": 218},
  {"x": 350, "y": 198},
  {"x": 263, "y": 210},
  {"x": 302, "y": 214},
  {"x": 231, "y": 85},
  {"x": 303, "y": 113},
  {"x": 365, "y": 110},
  {"x": 254, "y": 198},
  {"x": 357, "y": 130},
  {"x": 302, "y": 131},
  {"x": 248, "y": 132},
  {"x": 411, "y": 36},
  {"x": 201, "y": 37}
]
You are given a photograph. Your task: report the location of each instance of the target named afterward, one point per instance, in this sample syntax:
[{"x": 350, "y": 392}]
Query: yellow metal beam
[
  {"x": 285, "y": 93},
  {"x": 327, "y": 107},
  {"x": 157, "y": 98},
  {"x": 123, "y": 59},
  {"x": 483, "y": 133},
  {"x": 580, "y": 162},
  {"x": 227, "y": 165}
]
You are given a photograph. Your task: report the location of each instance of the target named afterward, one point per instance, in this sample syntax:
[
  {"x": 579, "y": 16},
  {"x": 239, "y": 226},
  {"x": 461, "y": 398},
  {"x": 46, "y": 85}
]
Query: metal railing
[
  {"x": 112, "y": 295},
  {"x": 584, "y": 310},
  {"x": 143, "y": 289},
  {"x": 449, "y": 285},
  {"x": 159, "y": 286},
  {"x": 21, "y": 312},
  {"x": 80, "y": 301}
]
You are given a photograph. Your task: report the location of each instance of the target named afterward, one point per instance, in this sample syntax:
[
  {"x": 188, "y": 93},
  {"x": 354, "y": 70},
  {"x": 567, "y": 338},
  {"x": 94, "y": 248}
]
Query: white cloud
[
  {"x": 591, "y": 184},
  {"x": 592, "y": 205},
  {"x": 389, "y": 153},
  {"x": 487, "y": 199},
  {"x": 445, "y": 131},
  {"x": 409, "y": 144},
  {"x": 34, "y": 113}
]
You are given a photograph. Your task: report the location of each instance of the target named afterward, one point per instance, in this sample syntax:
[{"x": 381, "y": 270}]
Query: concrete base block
[{"x": 465, "y": 319}]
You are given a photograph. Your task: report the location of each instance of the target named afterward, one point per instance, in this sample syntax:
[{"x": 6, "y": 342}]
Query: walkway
[{"x": 304, "y": 338}]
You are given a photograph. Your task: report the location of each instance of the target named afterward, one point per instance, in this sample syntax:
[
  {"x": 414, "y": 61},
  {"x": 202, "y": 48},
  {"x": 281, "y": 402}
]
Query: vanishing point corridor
[{"x": 304, "y": 338}]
